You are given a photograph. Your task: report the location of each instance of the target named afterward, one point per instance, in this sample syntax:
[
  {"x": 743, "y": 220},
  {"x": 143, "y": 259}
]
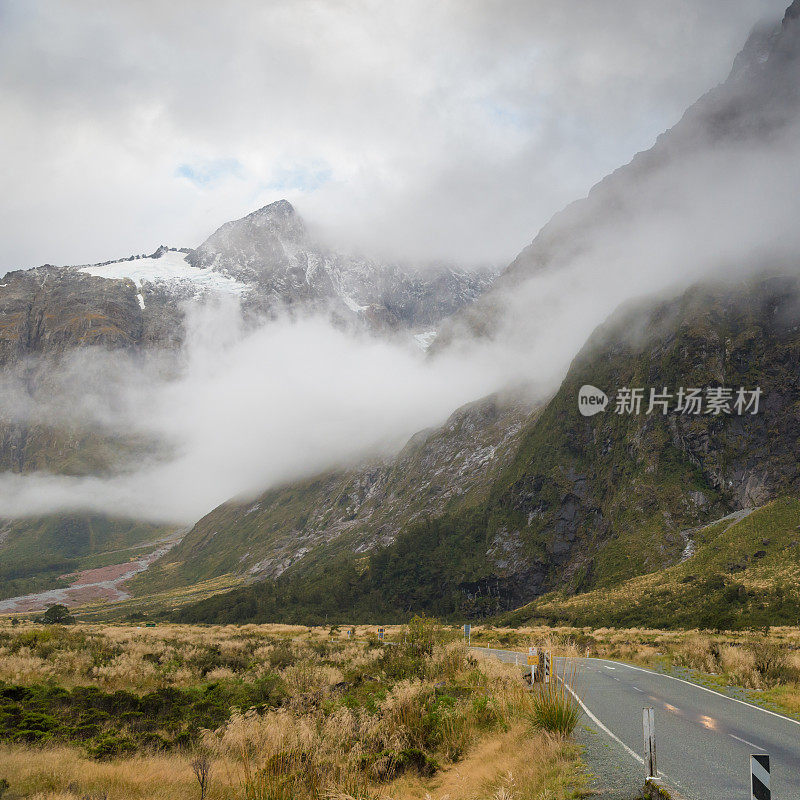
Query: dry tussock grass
[
  {"x": 315, "y": 745},
  {"x": 64, "y": 773},
  {"x": 513, "y": 765}
]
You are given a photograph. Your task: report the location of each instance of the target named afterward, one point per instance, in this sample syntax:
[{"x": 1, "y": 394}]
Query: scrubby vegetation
[
  {"x": 745, "y": 573},
  {"x": 554, "y": 708},
  {"x": 438, "y": 565},
  {"x": 266, "y": 711}
]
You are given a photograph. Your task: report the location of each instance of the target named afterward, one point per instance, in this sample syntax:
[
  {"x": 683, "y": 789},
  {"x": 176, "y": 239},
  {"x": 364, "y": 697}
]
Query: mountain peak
[
  {"x": 280, "y": 208},
  {"x": 793, "y": 12}
]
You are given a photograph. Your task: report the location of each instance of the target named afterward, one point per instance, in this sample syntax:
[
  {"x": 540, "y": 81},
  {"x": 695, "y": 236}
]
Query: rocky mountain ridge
[{"x": 272, "y": 251}]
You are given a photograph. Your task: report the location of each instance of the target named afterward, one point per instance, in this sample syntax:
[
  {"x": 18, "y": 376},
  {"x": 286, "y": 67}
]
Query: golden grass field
[
  {"x": 353, "y": 718},
  {"x": 309, "y": 713}
]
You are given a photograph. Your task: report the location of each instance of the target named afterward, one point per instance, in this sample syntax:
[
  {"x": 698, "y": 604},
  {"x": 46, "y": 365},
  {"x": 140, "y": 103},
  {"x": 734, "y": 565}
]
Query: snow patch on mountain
[
  {"x": 424, "y": 340},
  {"x": 171, "y": 268},
  {"x": 352, "y": 305}
]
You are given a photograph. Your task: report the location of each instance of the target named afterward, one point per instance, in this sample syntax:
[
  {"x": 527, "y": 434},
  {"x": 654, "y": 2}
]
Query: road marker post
[
  {"x": 544, "y": 669},
  {"x": 649, "y": 727},
  {"x": 468, "y": 634},
  {"x": 759, "y": 777}
]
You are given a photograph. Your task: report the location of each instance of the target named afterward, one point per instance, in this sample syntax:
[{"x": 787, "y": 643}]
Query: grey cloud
[{"x": 449, "y": 130}]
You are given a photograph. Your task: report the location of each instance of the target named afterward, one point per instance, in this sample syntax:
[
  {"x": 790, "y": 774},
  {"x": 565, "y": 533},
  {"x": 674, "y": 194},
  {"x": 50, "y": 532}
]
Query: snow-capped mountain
[
  {"x": 271, "y": 251},
  {"x": 271, "y": 263},
  {"x": 266, "y": 262}
]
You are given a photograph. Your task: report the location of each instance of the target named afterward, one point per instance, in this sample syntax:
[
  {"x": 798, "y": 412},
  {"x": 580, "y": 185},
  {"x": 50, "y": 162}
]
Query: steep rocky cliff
[{"x": 601, "y": 498}]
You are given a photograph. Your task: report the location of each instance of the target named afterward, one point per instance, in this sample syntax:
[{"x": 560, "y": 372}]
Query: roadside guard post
[
  {"x": 380, "y": 633},
  {"x": 759, "y": 777},
  {"x": 649, "y": 727},
  {"x": 533, "y": 660},
  {"x": 468, "y": 633},
  {"x": 545, "y": 664}
]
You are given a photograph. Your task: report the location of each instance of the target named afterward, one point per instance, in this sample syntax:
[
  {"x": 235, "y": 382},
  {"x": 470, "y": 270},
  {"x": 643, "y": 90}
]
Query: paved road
[{"x": 704, "y": 739}]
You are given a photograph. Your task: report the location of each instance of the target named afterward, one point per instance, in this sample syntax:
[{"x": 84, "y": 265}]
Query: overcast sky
[{"x": 427, "y": 130}]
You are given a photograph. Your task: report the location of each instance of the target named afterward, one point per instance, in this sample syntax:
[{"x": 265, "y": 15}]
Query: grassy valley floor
[{"x": 121, "y": 711}]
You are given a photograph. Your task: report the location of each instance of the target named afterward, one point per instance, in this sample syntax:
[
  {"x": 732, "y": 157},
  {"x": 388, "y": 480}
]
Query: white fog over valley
[{"x": 456, "y": 143}]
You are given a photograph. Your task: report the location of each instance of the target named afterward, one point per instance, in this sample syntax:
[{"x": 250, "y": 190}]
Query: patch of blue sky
[
  {"x": 300, "y": 177},
  {"x": 507, "y": 115},
  {"x": 206, "y": 173}
]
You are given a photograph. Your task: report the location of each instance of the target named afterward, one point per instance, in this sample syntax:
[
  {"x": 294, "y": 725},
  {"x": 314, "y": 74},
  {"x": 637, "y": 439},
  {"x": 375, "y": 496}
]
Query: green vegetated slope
[
  {"x": 588, "y": 502},
  {"x": 34, "y": 552},
  {"x": 745, "y": 572},
  {"x": 439, "y": 471}
]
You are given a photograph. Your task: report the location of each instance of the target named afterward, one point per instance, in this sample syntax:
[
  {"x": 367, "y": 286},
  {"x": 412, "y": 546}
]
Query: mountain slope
[
  {"x": 590, "y": 501},
  {"x": 743, "y": 572},
  {"x": 757, "y": 105},
  {"x": 444, "y": 469}
]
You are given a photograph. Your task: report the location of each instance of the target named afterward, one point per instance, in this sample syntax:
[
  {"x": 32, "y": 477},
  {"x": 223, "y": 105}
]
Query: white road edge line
[
  {"x": 706, "y": 689},
  {"x": 610, "y": 733},
  {"x": 602, "y": 727},
  {"x": 606, "y": 730}
]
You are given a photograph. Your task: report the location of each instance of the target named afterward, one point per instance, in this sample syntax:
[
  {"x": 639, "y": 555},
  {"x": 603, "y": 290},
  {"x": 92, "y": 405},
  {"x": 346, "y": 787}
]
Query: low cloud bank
[{"x": 246, "y": 411}]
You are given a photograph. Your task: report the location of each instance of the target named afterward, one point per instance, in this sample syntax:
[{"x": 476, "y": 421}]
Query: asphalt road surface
[{"x": 703, "y": 739}]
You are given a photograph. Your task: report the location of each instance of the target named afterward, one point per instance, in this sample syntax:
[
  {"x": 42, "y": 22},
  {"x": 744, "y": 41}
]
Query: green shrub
[
  {"x": 486, "y": 713},
  {"x": 111, "y": 746},
  {"x": 554, "y": 709},
  {"x": 282, "y": 656}
]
